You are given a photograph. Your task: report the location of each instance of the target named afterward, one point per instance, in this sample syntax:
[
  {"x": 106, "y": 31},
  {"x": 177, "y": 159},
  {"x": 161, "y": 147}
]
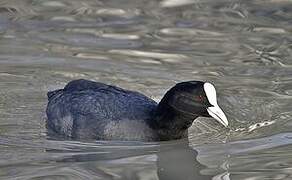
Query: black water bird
[{"x": 93, "y": 110}]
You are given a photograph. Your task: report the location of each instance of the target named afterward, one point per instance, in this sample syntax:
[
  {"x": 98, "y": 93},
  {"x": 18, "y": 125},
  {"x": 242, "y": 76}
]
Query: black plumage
[{"x": 93, "y": 110}]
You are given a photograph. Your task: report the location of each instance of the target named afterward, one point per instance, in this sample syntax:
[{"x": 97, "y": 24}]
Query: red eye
[{"x": 200, "y": 98}]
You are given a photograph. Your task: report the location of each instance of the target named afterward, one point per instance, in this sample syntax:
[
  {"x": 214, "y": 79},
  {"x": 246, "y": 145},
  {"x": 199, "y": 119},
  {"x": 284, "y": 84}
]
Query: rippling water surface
[{"x": 243, "y": 47}]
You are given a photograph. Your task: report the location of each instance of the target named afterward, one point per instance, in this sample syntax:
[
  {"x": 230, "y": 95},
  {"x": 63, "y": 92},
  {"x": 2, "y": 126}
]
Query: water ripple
[
  {"x": 187, "y": 31},
  {"x": 175, "y": 57},
  {"x": 243, "y": 47},
  {"x": 176, "y": 3}
]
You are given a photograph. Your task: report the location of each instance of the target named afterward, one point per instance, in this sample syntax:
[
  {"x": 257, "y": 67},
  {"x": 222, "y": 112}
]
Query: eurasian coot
[{"x": 93, "y": 110}]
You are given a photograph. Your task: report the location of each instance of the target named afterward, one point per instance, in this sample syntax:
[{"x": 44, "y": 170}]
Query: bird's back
[{"x": 86, "y": 109}]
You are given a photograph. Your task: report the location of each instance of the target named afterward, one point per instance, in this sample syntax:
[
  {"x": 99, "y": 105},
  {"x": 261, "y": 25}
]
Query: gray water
[{"x": 243, "y": 47}]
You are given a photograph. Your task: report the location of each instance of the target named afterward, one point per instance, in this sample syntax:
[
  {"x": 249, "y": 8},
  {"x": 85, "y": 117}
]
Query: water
[{"x": 243, "y": 47}]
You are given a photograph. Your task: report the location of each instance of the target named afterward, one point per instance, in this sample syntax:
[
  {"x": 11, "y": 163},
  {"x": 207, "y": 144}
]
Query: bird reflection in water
[{"x": 171, "y": 160}]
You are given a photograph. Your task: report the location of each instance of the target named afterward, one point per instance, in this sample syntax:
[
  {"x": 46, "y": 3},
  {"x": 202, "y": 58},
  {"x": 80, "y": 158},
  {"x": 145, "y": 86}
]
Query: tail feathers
[{"x": 51, "y": 94}]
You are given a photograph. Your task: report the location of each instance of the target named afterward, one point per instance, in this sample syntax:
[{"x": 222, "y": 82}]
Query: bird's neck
[{"x": 171, "y": 123}]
